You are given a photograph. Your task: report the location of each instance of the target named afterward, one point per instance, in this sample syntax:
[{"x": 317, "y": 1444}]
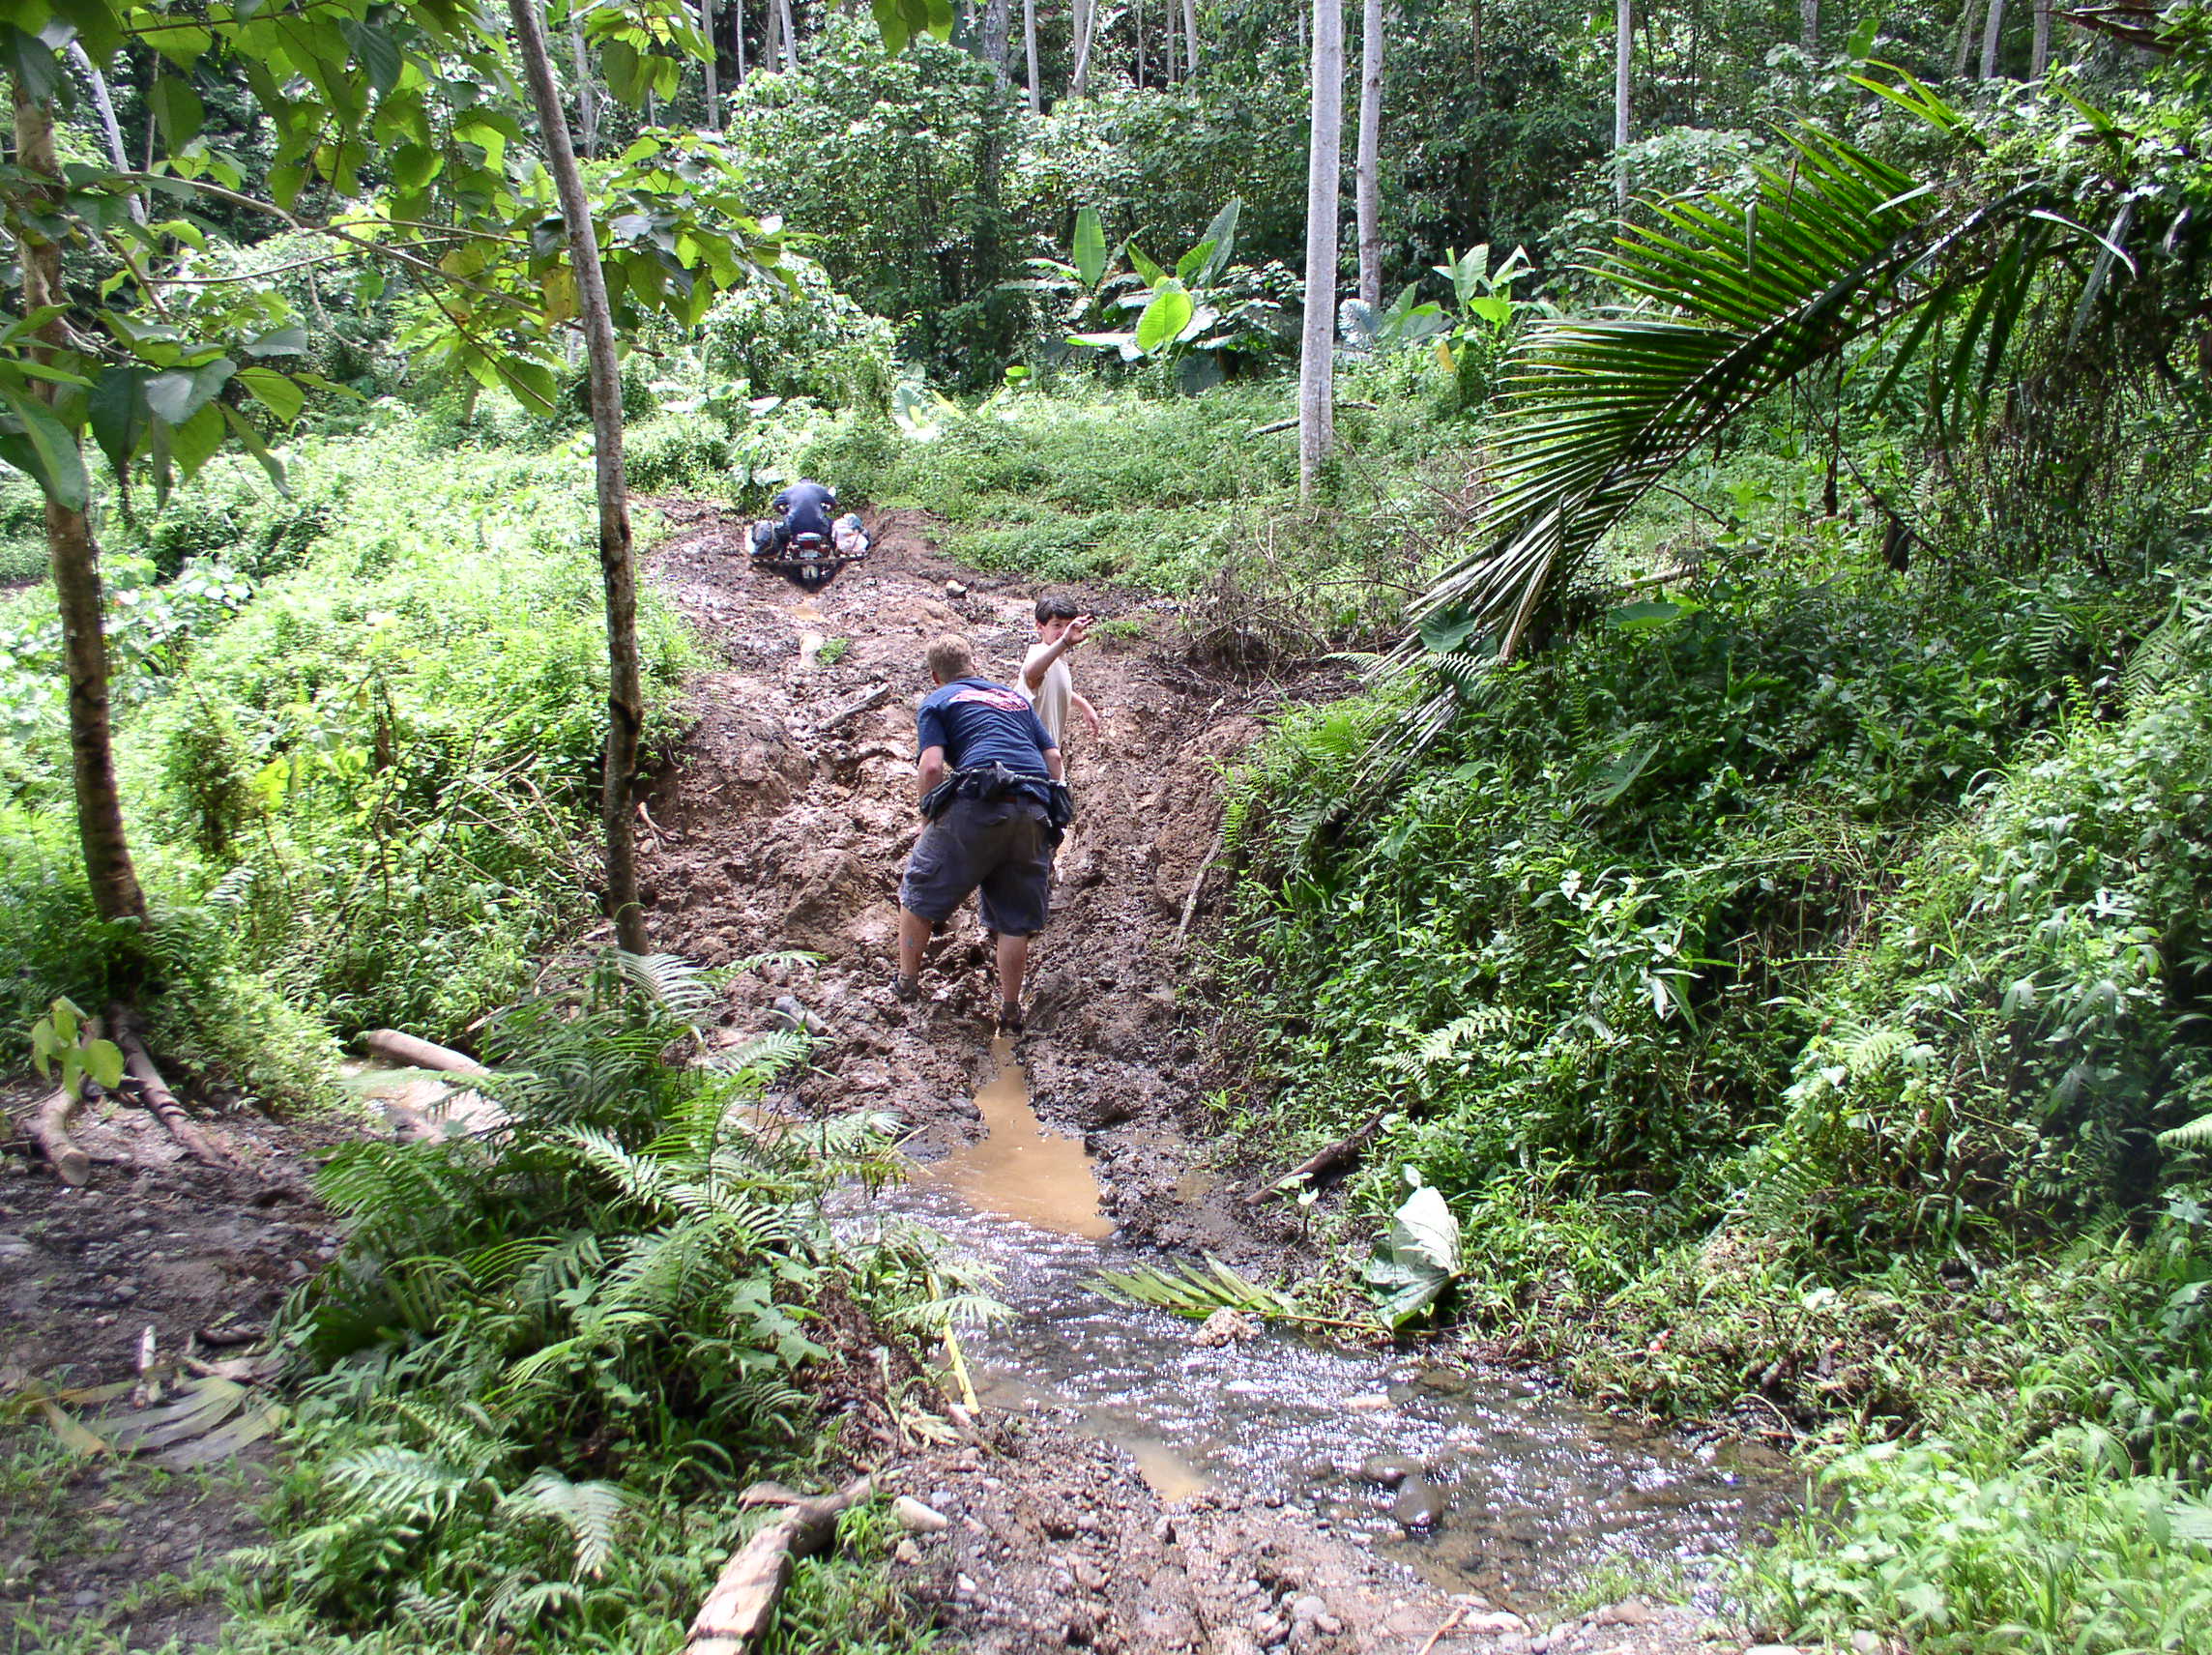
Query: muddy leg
[
  {"x": 913, "y": 933},
  {"x": 1013, "y": 960}
]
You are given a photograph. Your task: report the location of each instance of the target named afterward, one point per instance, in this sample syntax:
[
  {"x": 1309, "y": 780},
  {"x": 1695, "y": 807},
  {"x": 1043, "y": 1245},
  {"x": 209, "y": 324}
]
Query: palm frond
[
  {"x": 1732, "y": 296},
  {"x": 1192, "y": 1291}
]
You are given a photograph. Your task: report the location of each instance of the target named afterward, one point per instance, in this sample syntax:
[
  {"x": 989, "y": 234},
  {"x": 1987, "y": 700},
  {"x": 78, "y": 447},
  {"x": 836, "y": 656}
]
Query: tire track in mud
[{"x": 774, "y": 831}]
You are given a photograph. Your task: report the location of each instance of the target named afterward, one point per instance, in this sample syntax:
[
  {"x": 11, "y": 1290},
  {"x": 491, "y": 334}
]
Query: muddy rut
[{"x": 783, "y": 826}]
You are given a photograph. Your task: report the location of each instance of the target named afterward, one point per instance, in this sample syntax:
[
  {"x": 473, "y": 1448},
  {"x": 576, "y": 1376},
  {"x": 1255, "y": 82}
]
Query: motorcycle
[{"x": 811, "y": 558}]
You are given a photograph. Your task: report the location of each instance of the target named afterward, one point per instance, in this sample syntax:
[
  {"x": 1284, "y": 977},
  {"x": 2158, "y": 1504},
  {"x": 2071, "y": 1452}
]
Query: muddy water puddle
[{"x": 1529, "y": 1492}]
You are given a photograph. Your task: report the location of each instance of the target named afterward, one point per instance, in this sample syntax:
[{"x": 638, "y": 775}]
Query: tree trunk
[
  {"x": 2039, "y": 62},
  {"x": 998, "y": 23},
  {"x": 109, "y": 125},
  {"x": 1478, "y": 65},
  {"x": 790, "y": 36},
  {"x": 1029, "y": 51},
  {"x": 1316, "y": 351},
  {"x": 1623, "y": 59},
  {"x": 626, "y": 700},
  {"x": 1190, "y": 36},
  {"x": 1139, "y": 26},
  {"x": 713, "y": 68},
  {"x": 76, "y": 558},
  {"x": 771, "y": 36},
  {"x": 587, "y": 105},
  {"x": 1086, "y": 22},
  {"x": 1366, "y": 185},
  {"x": 1809, "y": 26},
  {"x": 1992, "y": 34},
  {"x": 1963, "y": 49},
  {"x": 737, "y": 11}
]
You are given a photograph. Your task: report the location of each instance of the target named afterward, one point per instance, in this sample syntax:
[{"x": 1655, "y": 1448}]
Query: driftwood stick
[
  {"x": 1197, "y": 883},
  {"x": 406, "y": 1052},
  {"x": 853, "y": 709},
  {"x": 1341, "y": 1154},
  {"x": 155, "y": 1094},
  {"x": 48, "y": 1127},
  {"x": 737, "y": 1611}
]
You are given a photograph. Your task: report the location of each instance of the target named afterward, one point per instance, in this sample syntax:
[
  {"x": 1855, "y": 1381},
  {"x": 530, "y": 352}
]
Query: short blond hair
[{"x": 950, "y": 656}]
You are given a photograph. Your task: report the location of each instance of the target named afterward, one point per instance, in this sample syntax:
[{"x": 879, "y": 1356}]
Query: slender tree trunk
[
  {"x": 1478, "y": 67},
  {"x": 1962, "y": 50},
  {"x": 772, "y": 33},
  {"x": 1367, "y": 193},
  {"x": 1086, "y": 22},
  {"x": 1623, "y": 60},
  {"x": 737, "y": 11},
  {"x": 1991, "y": 37},
  {"x": 1316, "y": 351},
  {"x": 625, "y": 699},
  {"x": 587, "y": 103},
  {"x": 1190, "y": 36},
  {"x": 108, "y": 871},
  {"x": 1809, "y": 26},
  {"x": 2039, "y": 62},
  {"x": 713, "y": 68},
  {"x": 1139, "y": 25},
  {"x": 1029, "y": 51},
  {"x": 109, "y": 127},
  {"x": 998, "y": 23},
  {"x": 790, "y": 36}
]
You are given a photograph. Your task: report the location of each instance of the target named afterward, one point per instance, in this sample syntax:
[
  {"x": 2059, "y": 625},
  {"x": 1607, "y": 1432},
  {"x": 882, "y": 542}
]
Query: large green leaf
[
  {"x": 1222, "y": 234},
  {"x": 45, "y": 448},
  {"x": 1420, "y": 1258},
  {"x": 1089, "y": 246},
  {"x": 1165, "y": 318}
]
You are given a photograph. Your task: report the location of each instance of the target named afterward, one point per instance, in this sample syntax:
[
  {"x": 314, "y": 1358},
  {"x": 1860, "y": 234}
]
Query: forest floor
[{"x": 783, "y": 827}]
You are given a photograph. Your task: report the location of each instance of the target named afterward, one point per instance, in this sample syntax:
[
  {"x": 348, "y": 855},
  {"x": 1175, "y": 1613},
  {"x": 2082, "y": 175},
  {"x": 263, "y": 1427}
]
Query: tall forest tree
[
  {"x": 1029, "y": 54},
  {"x": 1086, "y": 25},
  {"x": 1317, "y": 347},
  {"x": 1367, "y": 192},
  {"x": 1623, "y": 65}
]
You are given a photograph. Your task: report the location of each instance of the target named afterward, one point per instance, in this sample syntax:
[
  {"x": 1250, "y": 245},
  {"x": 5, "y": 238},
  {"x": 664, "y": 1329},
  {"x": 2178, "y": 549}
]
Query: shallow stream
[{"x": 1528, "y": 1494}]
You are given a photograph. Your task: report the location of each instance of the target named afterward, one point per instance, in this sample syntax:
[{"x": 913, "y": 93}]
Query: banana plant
[{"x": 1171, "y": 309}]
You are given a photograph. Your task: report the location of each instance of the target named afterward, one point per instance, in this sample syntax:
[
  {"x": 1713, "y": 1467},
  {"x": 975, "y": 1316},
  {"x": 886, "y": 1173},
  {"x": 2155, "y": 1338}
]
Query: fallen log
[
  {"x": 155, "y": 1096},
  {"x": 737, "y": 1612},
  {"x": 406, "y": 1052},
  {"x": 48, "y": 1127},
  {"x": 1338, "y": 1155}
]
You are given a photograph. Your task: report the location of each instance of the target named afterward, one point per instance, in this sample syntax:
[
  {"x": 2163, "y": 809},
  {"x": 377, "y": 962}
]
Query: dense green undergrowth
[
  {"x": 1787, "y": 977},
  {"x": 358, "y": 733}
]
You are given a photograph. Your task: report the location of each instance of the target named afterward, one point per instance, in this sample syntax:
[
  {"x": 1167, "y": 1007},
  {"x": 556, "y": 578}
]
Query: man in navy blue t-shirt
[
  {"x": 802, "y": 509},
  {"x": 992, "y": 836}
]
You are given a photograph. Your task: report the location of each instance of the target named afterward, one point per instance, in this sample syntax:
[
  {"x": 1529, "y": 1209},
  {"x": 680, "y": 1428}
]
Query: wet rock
[
  {"x": 1224, "y": 1327},
  {"x": 788, "y": 1013},
  {"x": 1389, "y": 1470},
  {"x": 1370, "y": 1403},
  {"x": 955, "y": 591},
  {"x": 1496, "y": 1623},
  {"x": 1419, "y": 1504},
  {"x": 1443, "y": 1381},
  {"x": 918, "y": 1518},
  {"x": 1631, "y": 1611},
  {"x": 906, "y": 1552}
]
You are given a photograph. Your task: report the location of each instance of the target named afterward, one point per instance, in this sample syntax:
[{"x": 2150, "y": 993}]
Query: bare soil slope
[{"x": 784, "y": 826}]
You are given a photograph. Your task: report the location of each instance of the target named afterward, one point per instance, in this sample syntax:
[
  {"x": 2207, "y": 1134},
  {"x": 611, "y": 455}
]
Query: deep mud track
[{"x": 783, "y": 826}]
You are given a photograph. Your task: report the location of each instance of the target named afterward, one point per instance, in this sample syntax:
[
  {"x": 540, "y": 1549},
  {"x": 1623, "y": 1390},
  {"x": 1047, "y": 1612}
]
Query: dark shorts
[{"x": 997, "y": 847}]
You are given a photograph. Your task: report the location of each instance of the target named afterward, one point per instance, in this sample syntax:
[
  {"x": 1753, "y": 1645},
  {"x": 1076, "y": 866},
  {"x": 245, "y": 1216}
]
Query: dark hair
[{"x": 1057, "y": 609}]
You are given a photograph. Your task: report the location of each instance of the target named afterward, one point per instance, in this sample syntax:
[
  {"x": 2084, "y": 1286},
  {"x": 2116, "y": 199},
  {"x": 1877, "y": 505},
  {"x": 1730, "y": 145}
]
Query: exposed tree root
[
  {"x": 48, "y": 1127},
  {"x": 737, "y": 1611},
  {"x": 155, "y": 1094}
]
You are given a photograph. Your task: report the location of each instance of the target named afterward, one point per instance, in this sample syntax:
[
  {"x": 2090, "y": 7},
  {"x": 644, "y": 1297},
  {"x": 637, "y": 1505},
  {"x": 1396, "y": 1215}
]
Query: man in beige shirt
[{"x": 1045, "y": 678}]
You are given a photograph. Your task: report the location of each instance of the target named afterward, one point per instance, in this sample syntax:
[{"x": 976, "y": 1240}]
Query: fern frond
[
  {"x": 2188, "y": 1136},
  {"x": 589, "y": 1511}
]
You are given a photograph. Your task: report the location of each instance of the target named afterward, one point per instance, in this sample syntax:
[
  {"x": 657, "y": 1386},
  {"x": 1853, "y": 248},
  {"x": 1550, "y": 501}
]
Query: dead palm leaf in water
[{"x": 1196, "y": 1293}]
